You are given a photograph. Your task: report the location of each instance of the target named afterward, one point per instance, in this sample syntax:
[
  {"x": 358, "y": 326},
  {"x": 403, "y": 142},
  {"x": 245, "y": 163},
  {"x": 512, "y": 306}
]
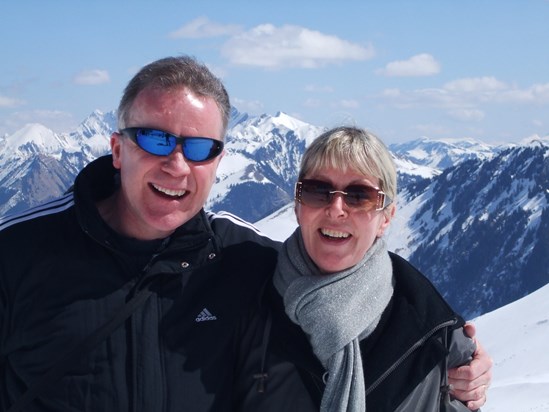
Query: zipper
[{"x": 411, "y": 350}]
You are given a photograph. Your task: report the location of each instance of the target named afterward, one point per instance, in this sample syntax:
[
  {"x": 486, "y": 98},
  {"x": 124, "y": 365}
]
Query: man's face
[{"x": 160, "y": 193}]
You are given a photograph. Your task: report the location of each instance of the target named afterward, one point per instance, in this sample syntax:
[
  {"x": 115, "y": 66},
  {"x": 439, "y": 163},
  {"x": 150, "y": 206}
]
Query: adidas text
[{"x": 205, "y": 315}]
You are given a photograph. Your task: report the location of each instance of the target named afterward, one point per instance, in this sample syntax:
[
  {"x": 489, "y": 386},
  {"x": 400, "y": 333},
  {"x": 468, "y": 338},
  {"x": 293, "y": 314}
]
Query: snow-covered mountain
[
  {"x": 479, "y": 227},
  {"x": 256, "y": 176},
  {"x": 425, "y": 158},
  {"x": 441, "y": 154},
  {"x": 38, "y": 164}
]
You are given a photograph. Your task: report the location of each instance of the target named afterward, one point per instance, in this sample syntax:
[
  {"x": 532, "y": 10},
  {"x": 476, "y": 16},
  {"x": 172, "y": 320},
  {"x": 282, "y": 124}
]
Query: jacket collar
[{"x": 98, "y": 180}]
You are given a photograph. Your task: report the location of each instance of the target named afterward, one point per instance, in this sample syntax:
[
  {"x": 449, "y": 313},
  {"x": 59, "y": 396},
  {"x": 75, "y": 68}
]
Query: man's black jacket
[{"x": 64, "y": 273}]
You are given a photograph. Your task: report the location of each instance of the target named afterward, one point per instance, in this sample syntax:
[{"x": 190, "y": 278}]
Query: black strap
[{"x": 58, "y": 370}]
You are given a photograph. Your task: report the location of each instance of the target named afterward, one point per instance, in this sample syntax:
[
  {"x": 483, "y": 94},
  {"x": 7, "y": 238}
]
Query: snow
[
  {"x": 406, "y": 166},
  {"x": 516, "y": 336},
  {"x": 42, "y": 138},
  {"x": 280, "y": 224},
  {"x": 400, "y": 234}
]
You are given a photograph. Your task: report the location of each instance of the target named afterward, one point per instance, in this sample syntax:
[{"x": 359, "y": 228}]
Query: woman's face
[{"x": 337, "y": 236}]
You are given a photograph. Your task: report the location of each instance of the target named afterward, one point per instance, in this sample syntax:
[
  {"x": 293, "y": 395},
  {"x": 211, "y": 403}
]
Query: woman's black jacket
[{"x": 403, "y": 359}]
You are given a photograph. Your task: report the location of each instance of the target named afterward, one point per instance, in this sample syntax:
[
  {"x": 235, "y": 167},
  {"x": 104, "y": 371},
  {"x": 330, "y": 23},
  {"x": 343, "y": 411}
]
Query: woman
[{"x": 350, "y": 326}]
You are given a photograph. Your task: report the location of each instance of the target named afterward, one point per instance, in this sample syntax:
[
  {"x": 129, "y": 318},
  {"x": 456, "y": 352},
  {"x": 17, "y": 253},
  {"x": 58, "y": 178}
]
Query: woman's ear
[{"x": 387, "y": 216}]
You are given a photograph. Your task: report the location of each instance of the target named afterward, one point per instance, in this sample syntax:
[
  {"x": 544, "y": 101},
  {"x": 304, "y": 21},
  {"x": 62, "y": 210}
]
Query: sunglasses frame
[
  {"x": 216, "y": 150},
  {"x": 382, "y": 199}
]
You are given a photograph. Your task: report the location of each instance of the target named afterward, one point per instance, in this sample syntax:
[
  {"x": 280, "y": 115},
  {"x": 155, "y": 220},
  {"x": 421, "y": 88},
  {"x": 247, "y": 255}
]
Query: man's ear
[{"x": 115, "y": 149}]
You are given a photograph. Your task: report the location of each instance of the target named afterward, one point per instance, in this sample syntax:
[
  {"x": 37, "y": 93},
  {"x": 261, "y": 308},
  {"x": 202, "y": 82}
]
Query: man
[{"x": 124, "y": 295}]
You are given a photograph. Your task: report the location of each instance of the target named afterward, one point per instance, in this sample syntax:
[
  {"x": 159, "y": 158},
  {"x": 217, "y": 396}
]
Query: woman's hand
[{"x": 469, "y": 383}]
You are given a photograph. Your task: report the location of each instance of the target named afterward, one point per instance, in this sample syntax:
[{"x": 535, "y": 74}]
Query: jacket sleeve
[{"x": 461, "y": 348}]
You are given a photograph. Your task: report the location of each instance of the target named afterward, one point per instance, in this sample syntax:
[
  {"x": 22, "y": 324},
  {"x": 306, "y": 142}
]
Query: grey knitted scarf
[{"x": 336, "y": 311}]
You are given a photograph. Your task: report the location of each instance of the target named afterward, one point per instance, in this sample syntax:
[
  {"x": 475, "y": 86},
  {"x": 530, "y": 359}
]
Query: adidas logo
[{"x": 205, "y": 315}]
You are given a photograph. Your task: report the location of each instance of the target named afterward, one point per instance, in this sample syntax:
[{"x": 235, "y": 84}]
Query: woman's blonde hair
[{"x": 351, "y": 148}]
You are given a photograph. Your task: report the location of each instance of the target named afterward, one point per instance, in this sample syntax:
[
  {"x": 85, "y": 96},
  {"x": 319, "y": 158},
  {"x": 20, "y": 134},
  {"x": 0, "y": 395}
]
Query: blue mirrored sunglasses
[{"x": 161, "y": 143}]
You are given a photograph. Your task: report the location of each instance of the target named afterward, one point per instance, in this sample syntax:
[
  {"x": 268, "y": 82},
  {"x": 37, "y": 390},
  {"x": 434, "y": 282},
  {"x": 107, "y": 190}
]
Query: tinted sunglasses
[
  {"x": 160, "y": 143},
  {"x": 316, "y": 193}
]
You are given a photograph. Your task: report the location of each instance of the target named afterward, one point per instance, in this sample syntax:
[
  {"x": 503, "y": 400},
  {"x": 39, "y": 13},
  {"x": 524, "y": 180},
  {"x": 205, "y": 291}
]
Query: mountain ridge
[{"x": 478, "y": 228}]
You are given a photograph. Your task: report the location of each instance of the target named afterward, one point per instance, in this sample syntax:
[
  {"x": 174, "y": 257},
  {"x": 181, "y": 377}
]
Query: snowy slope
[
  {"x": 280, "y": 224},
  {"x": 517, "y": 336}
]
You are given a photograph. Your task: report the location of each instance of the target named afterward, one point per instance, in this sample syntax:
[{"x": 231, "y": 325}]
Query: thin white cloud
[
  {"x": 202, "y": 27},
  {"x": 348, "y": 104},
  {"x": 467, "y": 115},
  {"x": 9, "y": 102},
  {"x": 419, "y": 65},
  {"x": 312, "y": 103},
  {"x": 274, "y": 47},
  {"x": 219, "y": 71},
  {"x": 313, "y": 88},
  {"x": 391, "y": 93},
  {"x": 431, "y": 129},
  {"x": 92, "y": 77},
  {"x": 250, "y": 106},
  {"x": 56, "y": 120},
  {"x": 537, "y": 93},
  {"x": 41, "y": 115},
  {"x": 467, "y": 93},
  {"x": 474, "y": 85}
]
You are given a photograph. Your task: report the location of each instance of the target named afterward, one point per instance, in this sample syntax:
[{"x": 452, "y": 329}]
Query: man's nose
[{"x": 176, "y": 164}]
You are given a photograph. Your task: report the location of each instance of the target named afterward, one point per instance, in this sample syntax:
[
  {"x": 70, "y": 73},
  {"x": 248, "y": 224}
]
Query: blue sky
[{"x": 403, "y": 69}]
